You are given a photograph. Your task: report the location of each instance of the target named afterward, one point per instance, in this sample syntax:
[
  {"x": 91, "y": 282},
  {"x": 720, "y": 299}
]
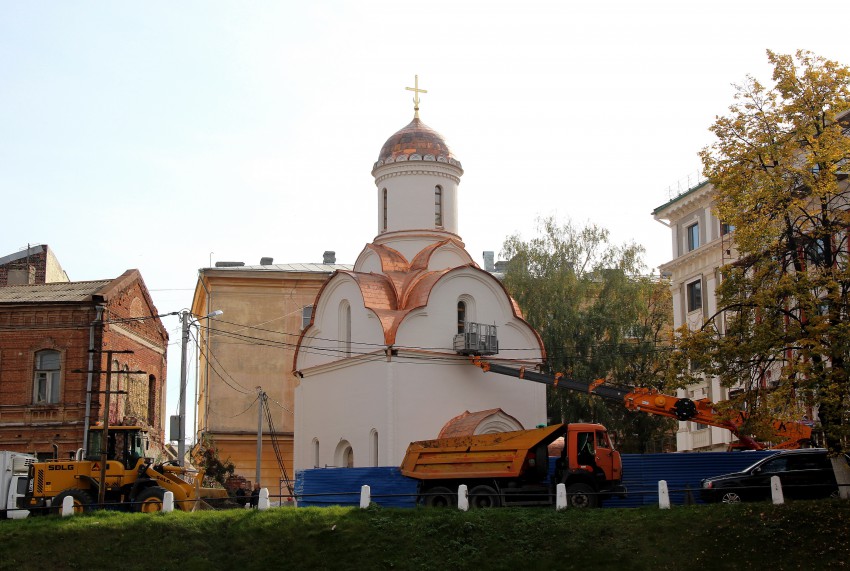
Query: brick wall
[
  {"x": 26, "y": 329},
  {"x": 33, "y": 267}
]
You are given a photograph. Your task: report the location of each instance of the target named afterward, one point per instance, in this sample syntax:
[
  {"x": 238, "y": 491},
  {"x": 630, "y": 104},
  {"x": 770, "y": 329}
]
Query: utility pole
[
  {"x": 186, "y": 318},
  {"x": 181, "y": 431},
  {"x": 261, "y": 399}
]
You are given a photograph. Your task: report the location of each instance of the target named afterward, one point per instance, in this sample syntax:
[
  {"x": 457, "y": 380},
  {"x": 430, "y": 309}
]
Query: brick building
[
  {"x": 46, "y": 333},
  {"x": 35, "y": 265}
]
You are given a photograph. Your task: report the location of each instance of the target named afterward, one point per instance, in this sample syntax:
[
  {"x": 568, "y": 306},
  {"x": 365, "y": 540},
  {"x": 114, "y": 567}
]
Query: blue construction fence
[{"x": 641, "y": 473}]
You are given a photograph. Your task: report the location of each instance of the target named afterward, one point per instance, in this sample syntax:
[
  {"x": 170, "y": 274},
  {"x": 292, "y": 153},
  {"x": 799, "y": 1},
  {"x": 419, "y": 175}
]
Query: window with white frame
[
  {"x": 306, "y": 316},
  {"x": 694, "y": 295},
  {"x": 46, "y": 389},
  {"x": 693, "y": 237}
]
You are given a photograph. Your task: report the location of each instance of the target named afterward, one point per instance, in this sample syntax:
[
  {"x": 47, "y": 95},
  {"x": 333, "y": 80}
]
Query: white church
[{"x": 386, "y": 358}]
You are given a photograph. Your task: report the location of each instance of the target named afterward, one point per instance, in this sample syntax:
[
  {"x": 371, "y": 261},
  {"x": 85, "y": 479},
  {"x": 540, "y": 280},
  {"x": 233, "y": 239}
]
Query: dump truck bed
[{"x": 498, "y": 455}]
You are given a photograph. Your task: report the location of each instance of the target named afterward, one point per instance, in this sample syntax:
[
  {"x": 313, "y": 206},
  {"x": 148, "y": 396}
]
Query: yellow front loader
[{"x": 127, "y": 479}]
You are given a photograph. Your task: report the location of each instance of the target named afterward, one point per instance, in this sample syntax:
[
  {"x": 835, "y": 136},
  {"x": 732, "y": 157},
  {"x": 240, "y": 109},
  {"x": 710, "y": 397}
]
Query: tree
[
  {"x": 598, "y": 318},
  {"x": 779, "y": 171}
]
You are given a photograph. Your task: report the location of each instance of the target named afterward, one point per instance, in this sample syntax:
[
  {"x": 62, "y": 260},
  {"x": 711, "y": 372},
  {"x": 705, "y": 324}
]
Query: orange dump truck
[{"x": 512, "y": 468}]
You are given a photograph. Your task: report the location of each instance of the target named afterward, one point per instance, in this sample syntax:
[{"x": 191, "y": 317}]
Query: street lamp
[{"x": 187, "y": 319}]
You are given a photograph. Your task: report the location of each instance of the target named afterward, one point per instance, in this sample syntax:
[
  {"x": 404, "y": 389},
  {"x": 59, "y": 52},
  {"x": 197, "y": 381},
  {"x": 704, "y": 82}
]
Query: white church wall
[{"x": 411, "y": 197}]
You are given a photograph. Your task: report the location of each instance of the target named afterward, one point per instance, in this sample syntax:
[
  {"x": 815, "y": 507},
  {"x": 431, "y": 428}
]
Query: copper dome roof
[{"x": 416, "y": 138}]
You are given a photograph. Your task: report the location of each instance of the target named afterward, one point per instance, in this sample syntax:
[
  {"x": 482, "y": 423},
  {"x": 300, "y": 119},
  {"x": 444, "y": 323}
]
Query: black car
[{"x": 803, "y": 473}]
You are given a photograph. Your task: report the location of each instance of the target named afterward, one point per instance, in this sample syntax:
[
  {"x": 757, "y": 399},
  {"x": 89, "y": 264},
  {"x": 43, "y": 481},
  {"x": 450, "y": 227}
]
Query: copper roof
[{"x": 416, "y": 138}]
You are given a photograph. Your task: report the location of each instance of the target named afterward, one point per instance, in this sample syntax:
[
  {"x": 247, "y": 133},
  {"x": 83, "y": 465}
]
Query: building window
[
  {"x": 374, "y": 447},
  {"x": 345, "y": 328},
  {"x": 461, "y": 316},
  {"x": 726, "y": 228},
  {"x": 693, "y": 237},
  {"x": 152, "y": 400},
  {"x": 47, "y": 373},
  {"x": 315, "y": 452},
  {"x": 306, "y": 316},
  {"x": 438, "y": 205},
  {"x": 695, "y": 295},
  {"x": 384, "y": 210}
]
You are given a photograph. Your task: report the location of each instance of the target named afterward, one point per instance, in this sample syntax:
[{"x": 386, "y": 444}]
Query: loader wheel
[
  {"x": 149, "y": 500},
  {"x": 484, "y": 497},
  {"x": 581, "y": 496},
  {"x": 440, "y": 497},
  {"x": 82, "y": 500}
]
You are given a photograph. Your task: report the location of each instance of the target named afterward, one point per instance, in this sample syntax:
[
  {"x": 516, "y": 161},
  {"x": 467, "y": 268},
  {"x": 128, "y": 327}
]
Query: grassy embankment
[{"x": 801, "y": 535}]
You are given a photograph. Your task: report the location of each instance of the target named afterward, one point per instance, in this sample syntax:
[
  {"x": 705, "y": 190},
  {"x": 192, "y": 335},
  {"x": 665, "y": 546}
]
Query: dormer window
[{"x": 438, "y": 205}]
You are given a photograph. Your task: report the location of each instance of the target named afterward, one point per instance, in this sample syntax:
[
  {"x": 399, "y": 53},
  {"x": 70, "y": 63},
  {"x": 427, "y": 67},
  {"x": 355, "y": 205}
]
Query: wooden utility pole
[{"x": 261, "y": 397}]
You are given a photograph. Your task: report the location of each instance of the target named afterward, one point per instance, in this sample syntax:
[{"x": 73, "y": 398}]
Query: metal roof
[
  {"x": 308, "y": 268},
  {"x": 52, "y": 292}
]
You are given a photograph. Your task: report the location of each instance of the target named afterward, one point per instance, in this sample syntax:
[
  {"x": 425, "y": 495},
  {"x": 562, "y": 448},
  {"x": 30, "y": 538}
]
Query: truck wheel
[
  {"x": 149, "y": 500},
  {"x": 82, "y": 500},
  {"x": 440, "y": 497},
  {"x": 581, "y": 496},
  {"x": 484, "y": 497}
]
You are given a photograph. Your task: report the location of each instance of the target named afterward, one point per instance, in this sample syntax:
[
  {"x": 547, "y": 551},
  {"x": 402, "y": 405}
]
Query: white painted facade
[
  {"x": 377, "y": 366},
  {"x": 700, "y": 248}
]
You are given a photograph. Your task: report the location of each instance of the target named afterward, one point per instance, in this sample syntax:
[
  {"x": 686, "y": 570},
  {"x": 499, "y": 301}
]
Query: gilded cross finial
[{"x": 416, "y": 91}]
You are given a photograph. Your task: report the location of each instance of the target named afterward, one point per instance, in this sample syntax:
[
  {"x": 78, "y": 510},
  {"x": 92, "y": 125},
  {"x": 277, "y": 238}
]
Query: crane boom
[{"x": 651, "y": 401}]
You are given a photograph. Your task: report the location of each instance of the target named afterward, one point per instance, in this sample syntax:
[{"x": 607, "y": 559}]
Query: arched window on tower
[
  {"x": 461, "y": 316},
  {"x": 438, "y": 205},
  {"x": 384, "y": 210}
]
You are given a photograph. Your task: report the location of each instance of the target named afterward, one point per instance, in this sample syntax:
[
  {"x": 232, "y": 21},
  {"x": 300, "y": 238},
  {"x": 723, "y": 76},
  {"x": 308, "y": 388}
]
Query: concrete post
[
  {"x": 365, "y": 497},
  {"x": 561, "y": 497},
  {"x": 462, "y": 498},
  {"x": 168, "y": 502},
  {"x": 67, "y": 506},
  {"x": 663, "y": 495},
  {"x": 776, "y": 491},
  {"x": 263, "y": 502}
]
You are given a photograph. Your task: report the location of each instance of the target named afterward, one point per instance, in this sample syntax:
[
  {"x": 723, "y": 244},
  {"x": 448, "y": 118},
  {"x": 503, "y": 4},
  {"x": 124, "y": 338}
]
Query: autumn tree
[
  {"x": 598, "y": 318},
  {"x": 779, "y": 171}
]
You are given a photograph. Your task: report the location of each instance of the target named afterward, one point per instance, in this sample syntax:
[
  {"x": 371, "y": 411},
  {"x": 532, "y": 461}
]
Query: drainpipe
[{"x": 97, "y": 320}]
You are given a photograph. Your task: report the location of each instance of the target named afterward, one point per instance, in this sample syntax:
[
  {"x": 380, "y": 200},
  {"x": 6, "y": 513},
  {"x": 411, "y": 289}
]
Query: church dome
[{"x": 416, "y": 141}]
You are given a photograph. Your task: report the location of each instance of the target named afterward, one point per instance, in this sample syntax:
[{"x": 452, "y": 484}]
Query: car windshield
[{"x": 758, "y": 463}]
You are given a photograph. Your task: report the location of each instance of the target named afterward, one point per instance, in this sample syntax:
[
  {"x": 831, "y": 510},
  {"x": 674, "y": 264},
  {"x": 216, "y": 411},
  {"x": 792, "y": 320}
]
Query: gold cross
[{"x": 416, "y": 91}]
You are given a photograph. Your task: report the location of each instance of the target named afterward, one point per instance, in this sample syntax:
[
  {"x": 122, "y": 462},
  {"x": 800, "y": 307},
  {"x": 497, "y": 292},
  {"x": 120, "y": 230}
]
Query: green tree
[
  {"x": 598, "y": 318},
  {"x": 779, "y": 170}
]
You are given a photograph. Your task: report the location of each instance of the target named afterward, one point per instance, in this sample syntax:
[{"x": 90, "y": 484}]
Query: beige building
[
  {"x": 249, "y": 348},
  {"x": 701, "y": 245}
]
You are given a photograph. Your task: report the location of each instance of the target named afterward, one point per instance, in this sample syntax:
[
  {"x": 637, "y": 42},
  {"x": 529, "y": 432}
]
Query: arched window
[
  {"x": 315, "y": 452},
  {"x": 46, "y": 385},
  {"x": 345, "y": 328},
  {"x": 384, "y": 210},
  {"x": 438, "y": 205},
  {"x": 152, "y": 400},
  {"x": 344, "y": 455},
  {"x": 461, "y": 316},
  {"x": 374, "y": 446}
]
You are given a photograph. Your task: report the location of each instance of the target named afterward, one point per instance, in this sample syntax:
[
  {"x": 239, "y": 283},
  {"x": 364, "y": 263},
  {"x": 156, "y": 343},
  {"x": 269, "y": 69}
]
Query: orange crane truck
[
  {"x": 116, "y": 470},
  {"x": 788, "y": 435},
  {"x": 512, "y": 468}
]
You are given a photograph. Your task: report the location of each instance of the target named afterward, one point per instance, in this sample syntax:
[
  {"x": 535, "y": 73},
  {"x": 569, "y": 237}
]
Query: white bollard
[
  {"x": 462, "y": 498},
  {"x": 560, "y": 497},
  {"x": 168, "y": 502},
  {"x": 776, "y": 490},
  {"x": 365, "y": 496},
  {"x": 663, "y": 495},
  {"x": 67, "y": 506},
  {"x": 263, "y": 502}
]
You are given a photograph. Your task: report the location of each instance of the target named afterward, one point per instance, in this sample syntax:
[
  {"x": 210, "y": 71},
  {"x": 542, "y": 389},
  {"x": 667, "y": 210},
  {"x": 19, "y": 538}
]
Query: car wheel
[
  {"x": 484, "y": 497},
  {"x": 440, "y": 497},
  {"x": 581, "y": 496},
  {"x": 730, "y": 498}
]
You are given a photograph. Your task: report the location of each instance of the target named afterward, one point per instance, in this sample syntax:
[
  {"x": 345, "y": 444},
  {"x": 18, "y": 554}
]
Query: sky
[{"x": 166, "y": 136}]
